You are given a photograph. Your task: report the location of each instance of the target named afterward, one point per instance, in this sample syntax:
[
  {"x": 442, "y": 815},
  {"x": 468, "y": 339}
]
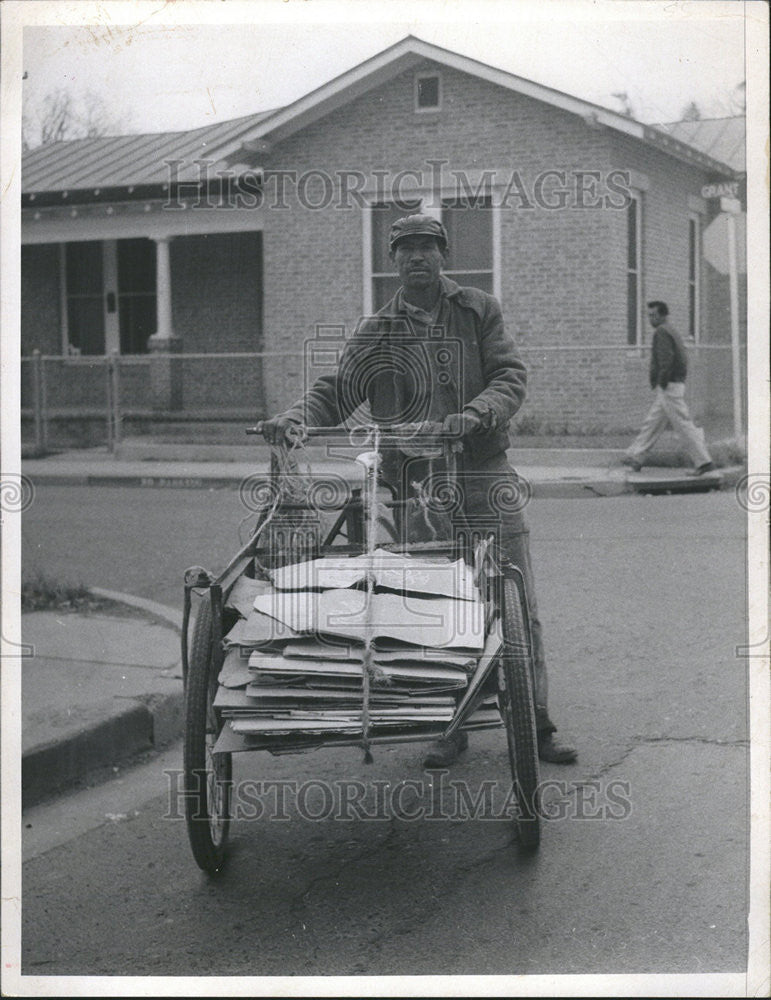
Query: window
[
  {"x": 85, "y": 305},
  {"x": 470, "y": 232},
  {"x": 469, "y": 225},
  {"x": 110, "y": 292},
  {"x": 634, "y": 270},
  {"x": 136, "y": 294},
  {"x": 428, "y": 92},
  {"x": 694, "y": 259},
  {"x": 384, "y": 279}
]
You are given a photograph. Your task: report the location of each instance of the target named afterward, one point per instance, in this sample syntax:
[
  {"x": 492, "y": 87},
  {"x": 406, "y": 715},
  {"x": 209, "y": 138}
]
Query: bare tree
[
  {"x": 61, "y": 116},
  {"x": 95, "y": 117},
  {"x": 58, "y": 117}
]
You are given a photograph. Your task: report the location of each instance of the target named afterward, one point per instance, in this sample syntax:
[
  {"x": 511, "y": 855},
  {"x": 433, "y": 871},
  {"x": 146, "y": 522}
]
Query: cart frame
[{"x": 208, "y": 776}]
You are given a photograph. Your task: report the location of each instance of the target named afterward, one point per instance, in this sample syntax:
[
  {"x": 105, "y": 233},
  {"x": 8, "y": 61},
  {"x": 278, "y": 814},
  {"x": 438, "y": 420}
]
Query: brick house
[{"x": 266, "y": 235}]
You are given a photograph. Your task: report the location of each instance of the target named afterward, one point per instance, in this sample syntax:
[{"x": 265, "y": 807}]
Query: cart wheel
[
  {"x": 208, "y": 777},
  {"x": 518, "y": 711}
]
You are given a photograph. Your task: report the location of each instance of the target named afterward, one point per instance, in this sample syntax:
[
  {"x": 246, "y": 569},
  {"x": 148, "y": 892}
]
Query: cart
[{"x": 508, "y": 673}]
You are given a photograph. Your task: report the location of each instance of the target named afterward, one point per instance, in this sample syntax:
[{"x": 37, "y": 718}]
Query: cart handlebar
[{"x": 389, "y": 433}]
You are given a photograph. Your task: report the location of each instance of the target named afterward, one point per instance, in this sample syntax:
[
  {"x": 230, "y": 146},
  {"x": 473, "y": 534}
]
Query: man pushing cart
[
  {"x": 438, "y": 352},
  {"x": 352, "y": 641}
]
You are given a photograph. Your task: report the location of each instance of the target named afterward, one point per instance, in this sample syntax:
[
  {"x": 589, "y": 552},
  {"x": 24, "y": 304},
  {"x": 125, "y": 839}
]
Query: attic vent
[{"x": 428, "y": 92}]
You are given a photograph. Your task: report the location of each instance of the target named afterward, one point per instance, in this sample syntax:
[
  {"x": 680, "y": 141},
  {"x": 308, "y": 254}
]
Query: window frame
[
  {"x": 430, "y": 204},
  {"x": 427, "y": 75},
  {"x": 634, "y": 338},
  {"x": 110, "y": 283}
]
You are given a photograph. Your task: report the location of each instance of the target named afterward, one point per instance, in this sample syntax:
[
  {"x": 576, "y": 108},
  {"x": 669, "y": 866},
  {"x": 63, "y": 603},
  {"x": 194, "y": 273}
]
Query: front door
[
  {"x": 84, "y": 284},
  {"x": 111, "y": 295}
]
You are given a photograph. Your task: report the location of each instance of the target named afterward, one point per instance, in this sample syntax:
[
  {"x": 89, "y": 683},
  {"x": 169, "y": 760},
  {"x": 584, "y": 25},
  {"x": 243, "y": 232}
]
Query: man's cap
[{"x": 417, "y": 225}]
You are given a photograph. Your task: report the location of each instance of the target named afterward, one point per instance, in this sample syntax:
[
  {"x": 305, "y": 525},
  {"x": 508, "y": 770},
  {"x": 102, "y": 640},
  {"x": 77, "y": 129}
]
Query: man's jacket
[
  {"x": 405, "y": 375},
  {"x": 668, "y": 358}
]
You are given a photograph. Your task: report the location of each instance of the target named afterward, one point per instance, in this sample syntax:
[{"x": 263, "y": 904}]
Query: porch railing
[{"x": 113, "y": 388}]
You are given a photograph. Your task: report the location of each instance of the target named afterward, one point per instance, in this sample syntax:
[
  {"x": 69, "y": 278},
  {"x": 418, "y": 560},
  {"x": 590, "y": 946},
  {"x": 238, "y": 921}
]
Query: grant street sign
[{"x": 727, "y": 189}]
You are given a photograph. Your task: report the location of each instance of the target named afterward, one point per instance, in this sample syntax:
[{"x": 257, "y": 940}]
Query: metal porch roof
[
  {"x": 129, "y": 160},
  {"x": 723, "y": 139}
]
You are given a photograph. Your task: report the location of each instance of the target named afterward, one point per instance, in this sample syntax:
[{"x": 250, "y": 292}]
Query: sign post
[{"x": 730, "y": 208}]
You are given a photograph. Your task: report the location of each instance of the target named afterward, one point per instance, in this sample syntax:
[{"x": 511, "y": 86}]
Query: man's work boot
[
  {"x": 443, "y": 753},
  {"x": 553, "y": 752}
]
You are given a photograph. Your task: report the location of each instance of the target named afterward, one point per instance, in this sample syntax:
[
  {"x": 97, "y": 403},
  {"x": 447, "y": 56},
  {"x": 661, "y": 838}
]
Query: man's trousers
[
  {"x": 490, "y": 500},
  {"x": 669, "y": 409}
]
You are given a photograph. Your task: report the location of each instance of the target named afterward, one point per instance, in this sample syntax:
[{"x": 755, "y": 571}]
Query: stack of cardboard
[{"x": 294, "y": 661}]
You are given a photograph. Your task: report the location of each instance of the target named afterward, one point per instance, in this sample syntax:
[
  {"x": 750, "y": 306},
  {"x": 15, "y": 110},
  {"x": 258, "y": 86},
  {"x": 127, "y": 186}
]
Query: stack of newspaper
[{"x": 295, "y": 660}]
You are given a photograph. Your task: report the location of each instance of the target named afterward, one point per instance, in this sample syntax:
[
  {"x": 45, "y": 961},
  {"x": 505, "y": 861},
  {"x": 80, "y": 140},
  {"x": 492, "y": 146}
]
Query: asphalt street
[{"x": 643, "y": 867}]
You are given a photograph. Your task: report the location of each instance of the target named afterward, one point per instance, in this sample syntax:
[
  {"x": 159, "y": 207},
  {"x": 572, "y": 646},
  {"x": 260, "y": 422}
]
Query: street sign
[
  {"x": 728, "y": 189},
  {"x": 715, "y": 243}
]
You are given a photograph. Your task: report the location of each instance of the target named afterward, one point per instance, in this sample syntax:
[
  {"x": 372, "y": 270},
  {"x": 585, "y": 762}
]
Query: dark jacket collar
[{"x": 449, "y": 289}]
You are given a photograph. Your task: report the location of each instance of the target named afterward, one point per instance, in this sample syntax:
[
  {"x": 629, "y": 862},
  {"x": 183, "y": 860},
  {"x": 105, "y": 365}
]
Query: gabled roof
[
  {"x": 139, "y": 160},
  {"x": 410, "y": 52},
  {"x": 723, "y": 139},
  {"x": 130, "y": 160}
]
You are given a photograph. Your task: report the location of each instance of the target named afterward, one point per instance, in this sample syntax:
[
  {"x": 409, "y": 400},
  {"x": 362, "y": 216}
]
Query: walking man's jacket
[{"x": 668, "y": 357}]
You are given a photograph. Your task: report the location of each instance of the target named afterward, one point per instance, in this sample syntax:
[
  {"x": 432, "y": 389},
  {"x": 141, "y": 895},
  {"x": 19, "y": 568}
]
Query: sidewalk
[
  {"x": 97, "y": 689},
  {"x": 100, "y": 688},
  {"x": 566, "y": 472}
]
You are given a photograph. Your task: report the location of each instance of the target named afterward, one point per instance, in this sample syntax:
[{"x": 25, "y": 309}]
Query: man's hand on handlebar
[
  {"x": 461, "y": 425},
  {"x": 284, "y": 431},
  {"x": 421, "y": 438}
]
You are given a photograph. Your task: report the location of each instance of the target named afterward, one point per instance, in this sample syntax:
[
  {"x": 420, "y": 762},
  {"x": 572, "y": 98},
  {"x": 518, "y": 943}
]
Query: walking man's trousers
[{"x": 669, "y": 409}]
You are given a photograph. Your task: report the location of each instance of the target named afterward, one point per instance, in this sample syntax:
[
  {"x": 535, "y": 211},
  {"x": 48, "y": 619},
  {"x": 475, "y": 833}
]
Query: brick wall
[
  {"x": 482, "y": 126},
  {"x": 563, "y": 278},
  {"x": 665, "y": 269},
  {"x": 216, "y": 285}
]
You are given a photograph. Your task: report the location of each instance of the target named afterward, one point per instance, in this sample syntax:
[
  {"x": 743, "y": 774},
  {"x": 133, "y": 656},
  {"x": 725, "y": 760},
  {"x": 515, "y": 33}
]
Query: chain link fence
[{"x": 100, "y": 398}]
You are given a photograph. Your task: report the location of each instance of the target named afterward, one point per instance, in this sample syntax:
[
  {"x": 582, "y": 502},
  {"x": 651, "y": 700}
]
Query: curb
[
  {"x": 567, "y": 488},
  {"x": 146, "y": 723},
  {"x": 170, "y": 615},
  {"x": 545, "y": 489}
]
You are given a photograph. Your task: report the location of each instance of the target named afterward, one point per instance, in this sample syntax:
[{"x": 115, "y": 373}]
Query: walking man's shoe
[
  {"x": 633, "y": 464},
  {"x": 553, "y": 752},
  {"x": 701, "y": 469},
  {"x": 442, "y": 753}
]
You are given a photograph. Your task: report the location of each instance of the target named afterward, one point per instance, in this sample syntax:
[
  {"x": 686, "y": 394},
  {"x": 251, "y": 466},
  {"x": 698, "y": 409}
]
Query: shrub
[{"x": 42, "y": 593}]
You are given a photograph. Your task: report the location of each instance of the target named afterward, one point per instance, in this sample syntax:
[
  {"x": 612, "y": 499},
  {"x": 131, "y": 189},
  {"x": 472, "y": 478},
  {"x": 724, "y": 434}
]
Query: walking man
[
  {"x": 668, "y": 368},
  {"x": 438, "y": 352}
]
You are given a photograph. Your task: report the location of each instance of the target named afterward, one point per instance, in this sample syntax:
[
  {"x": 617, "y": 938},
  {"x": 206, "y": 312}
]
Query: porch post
[{"x": 165, "y": 371}]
